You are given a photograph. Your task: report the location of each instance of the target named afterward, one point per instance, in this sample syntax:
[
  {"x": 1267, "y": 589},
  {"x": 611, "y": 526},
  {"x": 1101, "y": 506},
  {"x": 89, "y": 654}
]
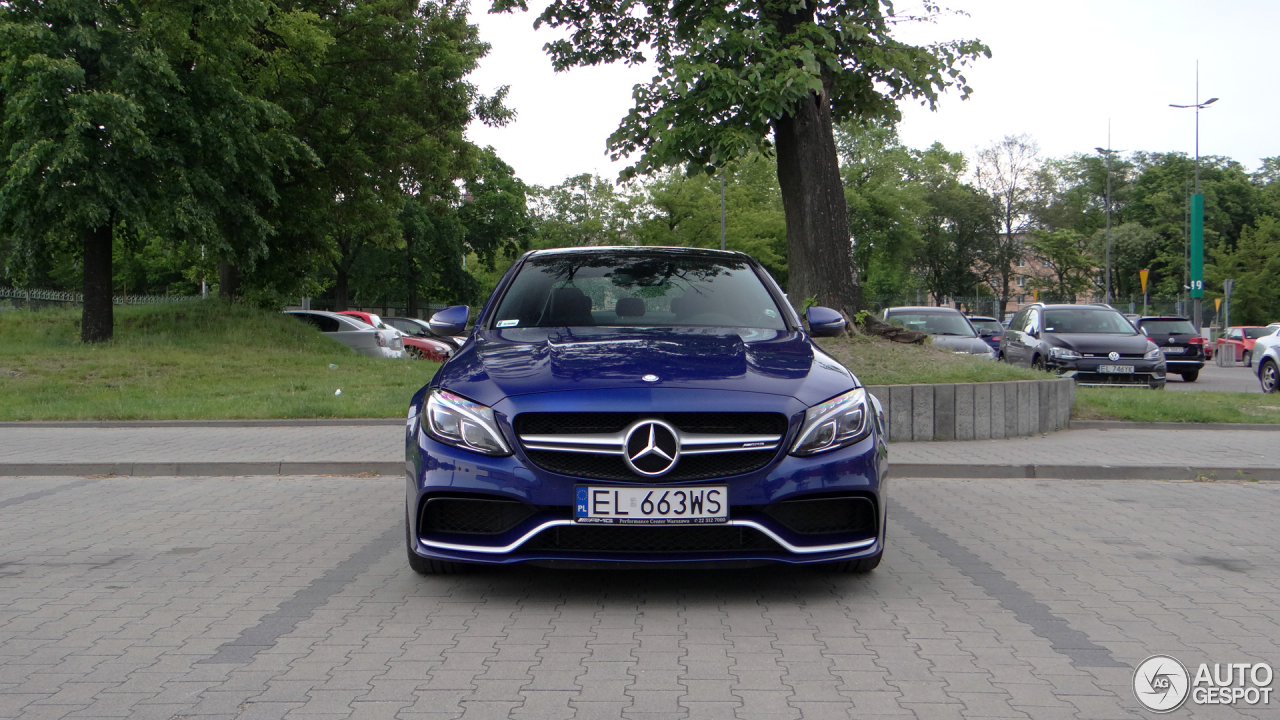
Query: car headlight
[
  {"x": 838, "y": 422},
  {"x": 1064, "y": 354},
  {"x": 1153, "y": 354},
  {"x": 463, "y": 424}
]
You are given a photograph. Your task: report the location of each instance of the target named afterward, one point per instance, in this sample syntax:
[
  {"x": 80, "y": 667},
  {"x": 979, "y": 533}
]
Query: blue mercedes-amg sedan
[{"x": 642, "y": 406}]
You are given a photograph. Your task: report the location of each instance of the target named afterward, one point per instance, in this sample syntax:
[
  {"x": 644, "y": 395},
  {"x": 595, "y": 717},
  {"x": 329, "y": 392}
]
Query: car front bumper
[
  {"x": 755, "y": 533},
  {"x": 1086, "y": 371}
]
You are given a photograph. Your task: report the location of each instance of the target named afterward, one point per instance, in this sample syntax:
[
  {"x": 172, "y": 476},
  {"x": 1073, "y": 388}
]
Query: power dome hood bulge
[{"x": 520, "y": 361}]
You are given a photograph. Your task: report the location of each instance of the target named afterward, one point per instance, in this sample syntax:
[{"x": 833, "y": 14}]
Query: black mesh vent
[
  {"x": 650, "y": 539},
  {"x": 826, "y": 516},
  {"x": 472, "y": 516},
  {"x": 746, "y": 423},
  {"x": 690, "y": 467}
]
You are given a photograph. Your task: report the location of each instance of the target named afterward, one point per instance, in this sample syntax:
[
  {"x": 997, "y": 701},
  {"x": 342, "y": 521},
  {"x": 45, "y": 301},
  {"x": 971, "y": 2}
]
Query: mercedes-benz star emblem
[
  {"x": 1114, "y": 356},
  {"x": 652, "y": 448}
]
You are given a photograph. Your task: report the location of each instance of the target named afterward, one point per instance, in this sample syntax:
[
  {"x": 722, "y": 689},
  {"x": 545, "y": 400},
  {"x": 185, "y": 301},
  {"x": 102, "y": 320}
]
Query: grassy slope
[
  {"x": 194, "y": 361},
  {"x": 1165, "y": 406},
  {"x": 210, "y": 361},
  {"x": 879, "y": 362}
]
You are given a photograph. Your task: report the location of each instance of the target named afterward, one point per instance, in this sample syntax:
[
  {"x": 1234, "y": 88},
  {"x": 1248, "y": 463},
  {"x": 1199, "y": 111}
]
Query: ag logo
[
  {"x": 1161, "y": 683},
  {"x": 1114, "y": 356}
]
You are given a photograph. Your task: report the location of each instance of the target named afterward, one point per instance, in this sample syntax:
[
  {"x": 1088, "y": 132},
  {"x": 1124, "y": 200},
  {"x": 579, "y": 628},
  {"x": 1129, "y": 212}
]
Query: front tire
[
  {"x": 1269, "y": 374},
  {"x": 860, "y": 566},
  {"x": 1037, "y": 363},
  {"x": 1247, "y": 358},
  {"x": 413, "y": 353}
]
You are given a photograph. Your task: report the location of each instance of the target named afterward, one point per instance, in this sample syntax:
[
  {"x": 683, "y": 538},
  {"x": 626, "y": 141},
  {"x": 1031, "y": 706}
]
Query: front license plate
[
  {"x": 651, "y": 505},
  {"x": 1120, "y": 369}
]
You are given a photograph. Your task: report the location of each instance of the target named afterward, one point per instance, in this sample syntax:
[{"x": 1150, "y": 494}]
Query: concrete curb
[
  {"x": 201, "y": 469},
  {"x": 976, "y": 411},
  {"x": 1123, "y": 425},
  {"x": 1079, "y": 472},
  {"x": 312, "y": 422}
]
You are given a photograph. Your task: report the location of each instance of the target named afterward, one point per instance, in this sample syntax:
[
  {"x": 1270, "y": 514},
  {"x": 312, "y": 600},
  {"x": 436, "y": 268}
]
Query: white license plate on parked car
[
  {"x": 1120, "y": 369},
  {"x": 651, "y": 505},
  {"x": 1173, "y": 350}
]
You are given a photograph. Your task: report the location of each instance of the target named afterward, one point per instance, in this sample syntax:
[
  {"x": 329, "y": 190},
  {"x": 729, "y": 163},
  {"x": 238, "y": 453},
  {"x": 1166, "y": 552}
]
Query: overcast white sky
[{"x": 1058, "y": 71}]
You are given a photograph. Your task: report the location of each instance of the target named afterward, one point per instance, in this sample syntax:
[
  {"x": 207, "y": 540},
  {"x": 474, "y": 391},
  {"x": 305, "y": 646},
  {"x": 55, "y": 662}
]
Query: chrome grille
[{"x": 593, "y": 445}]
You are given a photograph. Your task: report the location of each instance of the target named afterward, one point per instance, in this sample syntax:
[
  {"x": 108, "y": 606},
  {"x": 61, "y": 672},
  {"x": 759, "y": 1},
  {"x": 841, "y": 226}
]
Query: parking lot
[
  {"x": 1219, "y": 379},
  {"x": 290, "y": 597}
]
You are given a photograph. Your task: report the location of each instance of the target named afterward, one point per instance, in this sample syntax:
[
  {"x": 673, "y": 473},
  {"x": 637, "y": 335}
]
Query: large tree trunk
[
  {"x": 97, "y": 319},
  {"x": 820, "y": 262},
  {"x": 228, "y": 281},
  {"x": 339, "y": 288}
]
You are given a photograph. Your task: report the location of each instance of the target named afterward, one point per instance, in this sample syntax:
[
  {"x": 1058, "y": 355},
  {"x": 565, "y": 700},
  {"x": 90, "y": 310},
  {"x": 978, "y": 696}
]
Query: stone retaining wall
[{"x": 975, "y": 411}]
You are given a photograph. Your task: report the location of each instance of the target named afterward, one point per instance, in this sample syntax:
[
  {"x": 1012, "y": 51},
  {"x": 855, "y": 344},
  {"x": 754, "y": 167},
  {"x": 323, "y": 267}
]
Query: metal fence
[{"x": 31, "y": 298}]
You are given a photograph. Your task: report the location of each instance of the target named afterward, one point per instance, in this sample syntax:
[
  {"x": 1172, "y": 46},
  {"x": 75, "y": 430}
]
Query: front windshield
[
  {"x": 630, "y": 289},
  {"x": 932, "y": 322},
  {"x": 1255, "y": 333},
  {"x": 1087, "y": 320}
]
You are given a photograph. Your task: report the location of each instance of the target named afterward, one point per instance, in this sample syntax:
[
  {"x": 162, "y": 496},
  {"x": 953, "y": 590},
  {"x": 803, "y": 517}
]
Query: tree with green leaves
[
  {"x": 384, "y": 111},
  {"x": 126, "y": 117},
  {"x": 887, "y": 186},
  {"x": 676, "y": 208},
  {"x": 957, "y": 232},
  {"x": 1255, "y": 266},
  {"x": 583, "y": 210},
  {"x": 1006, "y": 170},
  {"x": 1065, "y": 253},
  {"x": 736, "y": 77}
]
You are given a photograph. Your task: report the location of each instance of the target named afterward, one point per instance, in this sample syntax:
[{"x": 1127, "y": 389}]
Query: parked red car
[
  {"x": 419, "y": 348},
  {"x": 1238, "y": 342}
]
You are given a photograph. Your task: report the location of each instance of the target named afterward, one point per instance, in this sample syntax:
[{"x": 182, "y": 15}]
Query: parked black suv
[
  {"x": 1182, "y": 346},
  {"x": 1095, "y": 345}
]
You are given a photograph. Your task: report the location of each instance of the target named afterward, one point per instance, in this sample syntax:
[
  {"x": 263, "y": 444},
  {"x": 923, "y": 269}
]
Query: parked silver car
[
  {"x": 354, "y": 333},
  {"x": 947, "y": 326}
]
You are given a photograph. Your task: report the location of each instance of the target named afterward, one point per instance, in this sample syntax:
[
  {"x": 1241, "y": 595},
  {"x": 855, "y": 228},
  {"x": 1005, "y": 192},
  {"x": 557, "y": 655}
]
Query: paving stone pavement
[{"x": 290, "y": 598}]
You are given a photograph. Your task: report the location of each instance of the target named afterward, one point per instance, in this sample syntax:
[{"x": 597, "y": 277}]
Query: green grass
[
  {"x": 1184, "y": 407},
  {"x": 193, "y": 361},
  {"x": 880, "y": 362}
]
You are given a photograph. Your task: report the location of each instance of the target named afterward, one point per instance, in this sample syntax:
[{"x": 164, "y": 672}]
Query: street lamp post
[
  {"x": 1107, "y": 153},
  {"x": 1197, "y": 217}
]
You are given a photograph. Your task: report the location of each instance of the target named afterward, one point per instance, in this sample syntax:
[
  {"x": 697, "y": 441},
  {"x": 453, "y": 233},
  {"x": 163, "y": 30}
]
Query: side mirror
[
  {"x": 1034, "y": 333},
  {"x": 450, "y": 321},
  {"x": 824, "y": 322}
]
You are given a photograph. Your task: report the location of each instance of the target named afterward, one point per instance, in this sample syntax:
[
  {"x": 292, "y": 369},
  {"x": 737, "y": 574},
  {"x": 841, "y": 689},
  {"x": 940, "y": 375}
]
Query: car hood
[
  {"x": 972, "y": 345},
  {"x": 1099, "y": 343},
  {"x": 520, "y": 361}
]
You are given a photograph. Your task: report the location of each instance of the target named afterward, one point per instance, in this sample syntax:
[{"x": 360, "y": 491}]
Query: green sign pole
[{"x": 1197, "y": 257}]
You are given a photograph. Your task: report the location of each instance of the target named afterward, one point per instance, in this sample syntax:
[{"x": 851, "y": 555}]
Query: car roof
[
  {"x": 1163, "y": 317},
  {"x": 925, "y": 308},
  {"x": 637, "y": 249},
  {"x": 326, "y": 313}
]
